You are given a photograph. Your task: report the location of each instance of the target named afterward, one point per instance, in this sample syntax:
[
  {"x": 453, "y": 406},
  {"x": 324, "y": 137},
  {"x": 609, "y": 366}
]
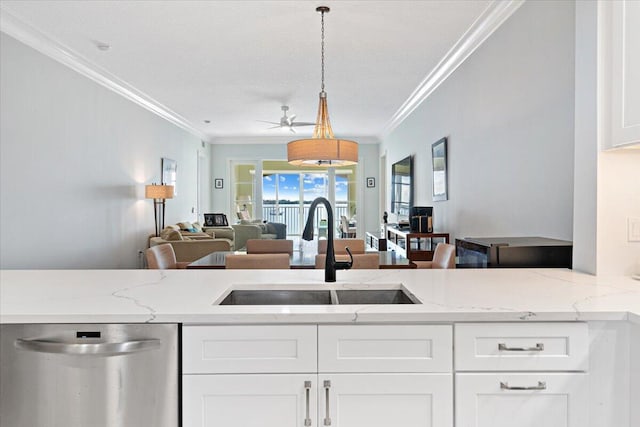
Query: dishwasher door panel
[{"x": 98, "y": 375}]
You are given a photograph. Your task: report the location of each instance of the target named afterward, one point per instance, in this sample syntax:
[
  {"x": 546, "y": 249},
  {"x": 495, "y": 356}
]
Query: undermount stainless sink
[
  {"x": 277, "y": 297},
  {"x": 375, "y": 296},
  {"x": 318, "y": 297}
]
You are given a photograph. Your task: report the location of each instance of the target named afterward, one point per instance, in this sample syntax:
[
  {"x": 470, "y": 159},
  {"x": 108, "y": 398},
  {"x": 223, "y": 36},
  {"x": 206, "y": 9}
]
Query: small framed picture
[
  {"x": 218, "y": 183},
  {"x": 371, "y": 182}
]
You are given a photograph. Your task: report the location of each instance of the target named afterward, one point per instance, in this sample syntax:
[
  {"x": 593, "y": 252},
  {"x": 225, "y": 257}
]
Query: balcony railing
[{"x": 290, "y": 215}]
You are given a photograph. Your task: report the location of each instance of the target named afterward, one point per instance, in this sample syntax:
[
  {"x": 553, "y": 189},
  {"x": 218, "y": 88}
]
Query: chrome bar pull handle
[
  {"x": 327, "y": 415},
  {"x": 503, "y": 347},
  {"x": 542, "y": 385},
  {"x": 87, "y": 349},
  {"x": 307, "y": 391}
]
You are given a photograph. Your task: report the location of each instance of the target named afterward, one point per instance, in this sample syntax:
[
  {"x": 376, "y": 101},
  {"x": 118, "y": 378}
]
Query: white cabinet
[
  {"x": 619, "y": 71},
  {"x": 283, "y": 400},
  {"x": 260, "y": 349},
  {"x": 507, "y": 374},
  {"x": 383, "y": 400},
  {"x": 521, "y": 400},
  {"x": 517, "y": 383},
  {"x": 522, "y": 346},
  {"x": 365, "y": 375},
  {"x": 385, "y": 348}
]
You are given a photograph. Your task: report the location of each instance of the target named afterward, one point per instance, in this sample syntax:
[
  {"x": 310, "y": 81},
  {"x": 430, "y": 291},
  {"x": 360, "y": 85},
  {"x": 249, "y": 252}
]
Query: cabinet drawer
[
  {"x": 249, "y": 349},
  {"x": 522, "y": 347},
  {"x": 385, "y": 348},
  {"x": 527, "y": 400}
]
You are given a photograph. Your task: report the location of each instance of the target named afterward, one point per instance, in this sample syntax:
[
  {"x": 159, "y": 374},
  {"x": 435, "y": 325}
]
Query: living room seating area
[{"x": 191, "y": 242}]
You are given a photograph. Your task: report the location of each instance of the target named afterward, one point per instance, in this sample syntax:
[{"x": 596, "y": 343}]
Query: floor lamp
[{"x": 159, "y": 193}]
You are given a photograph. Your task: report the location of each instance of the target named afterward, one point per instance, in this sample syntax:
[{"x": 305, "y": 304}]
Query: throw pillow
[
  {"x": 165, "y": 231},
  {"x": 174, "y": 235},
  {"x": 186, "y": 225},
  {"x": 192, "y": 230},
  {"x": 197, "y": 226}
]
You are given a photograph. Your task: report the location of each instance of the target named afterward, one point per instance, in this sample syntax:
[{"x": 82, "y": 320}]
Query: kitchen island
[
  {"x": 536, "y": 346},
  {"x": 47, "y": 296}
]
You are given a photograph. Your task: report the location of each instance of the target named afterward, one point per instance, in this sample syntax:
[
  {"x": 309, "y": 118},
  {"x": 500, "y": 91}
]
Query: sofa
[
  {"x": 191, "y": 243},
  {"x": 257, "y": 229}
]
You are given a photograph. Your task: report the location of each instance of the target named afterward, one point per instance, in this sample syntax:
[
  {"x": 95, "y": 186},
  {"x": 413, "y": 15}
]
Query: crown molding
[
  {"x": 276, "y": 140},
  {"x": 490, "y": 20},
  {"x": 47, "y": 45}
]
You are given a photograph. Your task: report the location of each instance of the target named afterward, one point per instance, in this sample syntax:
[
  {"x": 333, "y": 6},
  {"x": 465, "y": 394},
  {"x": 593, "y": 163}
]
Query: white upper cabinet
[{"x": 619, "y": 74}]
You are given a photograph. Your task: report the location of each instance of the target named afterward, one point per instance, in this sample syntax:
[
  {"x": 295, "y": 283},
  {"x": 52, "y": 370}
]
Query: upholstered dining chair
[
  {"x": 443, "y": 257},
  {"x": 257, "y": 261},
  {"x": 356, "y": 246},
  {"x": 269, "y": 246},
  {"x": 345, "y": 229},
  {"x": 370, "y": 261},
  {"x": 162, "y": 257}
]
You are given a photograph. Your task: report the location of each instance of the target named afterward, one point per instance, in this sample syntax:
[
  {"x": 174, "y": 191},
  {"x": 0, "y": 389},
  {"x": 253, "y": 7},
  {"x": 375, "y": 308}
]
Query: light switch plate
[{"x": 633, "y": 229}]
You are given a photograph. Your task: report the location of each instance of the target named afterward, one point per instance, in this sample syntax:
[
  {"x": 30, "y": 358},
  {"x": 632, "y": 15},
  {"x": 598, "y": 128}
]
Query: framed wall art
[
  {"x": 439, "y": 162},
  {"x": 170, "y": 173},
  {"x": 218, "y": 183}
]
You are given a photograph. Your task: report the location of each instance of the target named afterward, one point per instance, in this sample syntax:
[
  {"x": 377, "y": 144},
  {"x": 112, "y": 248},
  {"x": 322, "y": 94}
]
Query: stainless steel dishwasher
[{"x": 89, "y": 375}]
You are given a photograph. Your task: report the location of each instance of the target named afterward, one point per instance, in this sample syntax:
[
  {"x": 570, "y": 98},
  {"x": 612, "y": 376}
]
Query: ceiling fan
[{"x": 287, "y": 121}]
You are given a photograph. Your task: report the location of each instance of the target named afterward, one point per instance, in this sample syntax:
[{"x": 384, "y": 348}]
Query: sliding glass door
[{"x": 288, "y": 195}]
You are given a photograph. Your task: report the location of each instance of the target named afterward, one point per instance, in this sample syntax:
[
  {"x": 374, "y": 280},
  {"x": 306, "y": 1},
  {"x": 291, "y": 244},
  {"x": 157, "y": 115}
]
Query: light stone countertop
[{"x": 187, "y": 296}]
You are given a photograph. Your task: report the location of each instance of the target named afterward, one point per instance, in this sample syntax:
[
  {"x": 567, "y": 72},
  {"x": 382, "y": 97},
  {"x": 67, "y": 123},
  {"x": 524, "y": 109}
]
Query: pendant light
[{"x": 323, "y": 149}]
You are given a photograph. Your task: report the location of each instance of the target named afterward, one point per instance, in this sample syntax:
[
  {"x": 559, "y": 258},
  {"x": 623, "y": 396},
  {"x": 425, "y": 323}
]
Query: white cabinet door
[
  {"x": 620, "y": 71},
  {"x": 522, "y": 400},
  {"x": 384, "y": 400},
  {"x": 287, "y": 400}
]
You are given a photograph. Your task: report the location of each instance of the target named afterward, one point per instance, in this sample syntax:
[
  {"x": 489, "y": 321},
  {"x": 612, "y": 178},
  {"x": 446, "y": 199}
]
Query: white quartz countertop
[{"x": 188, "y": 296}]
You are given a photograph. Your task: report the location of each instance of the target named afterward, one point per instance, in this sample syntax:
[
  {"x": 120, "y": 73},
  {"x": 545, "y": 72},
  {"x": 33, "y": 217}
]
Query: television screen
[{"x": 402, "y": 187}]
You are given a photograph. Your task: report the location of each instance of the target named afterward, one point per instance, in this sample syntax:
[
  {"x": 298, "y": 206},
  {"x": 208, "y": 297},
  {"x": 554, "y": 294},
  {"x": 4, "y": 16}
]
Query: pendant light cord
[{"x": 322, "y": 50}]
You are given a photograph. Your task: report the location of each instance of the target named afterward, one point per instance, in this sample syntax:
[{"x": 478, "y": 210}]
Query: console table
[
  {"x": 375, "y": 243},
  {"x": 414, "y": 246}
]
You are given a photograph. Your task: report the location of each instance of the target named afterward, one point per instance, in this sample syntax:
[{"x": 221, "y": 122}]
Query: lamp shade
[
  {"x": 322, "y": 152},
  {"x": 158, "y": 191}
]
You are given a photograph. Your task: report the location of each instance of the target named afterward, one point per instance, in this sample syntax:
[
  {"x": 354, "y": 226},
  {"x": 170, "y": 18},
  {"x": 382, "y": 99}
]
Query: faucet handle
[{"x": 345, "y": 265}]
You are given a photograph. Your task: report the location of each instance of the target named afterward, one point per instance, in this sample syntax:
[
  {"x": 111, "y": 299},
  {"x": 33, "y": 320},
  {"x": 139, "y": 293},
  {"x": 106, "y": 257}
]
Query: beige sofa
[
  {"x": 191, "y": 245},
  {"x": 191, "y": 250}
]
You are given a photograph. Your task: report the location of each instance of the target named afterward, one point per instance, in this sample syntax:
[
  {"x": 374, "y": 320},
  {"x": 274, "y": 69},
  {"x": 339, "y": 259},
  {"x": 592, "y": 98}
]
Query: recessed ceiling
[{"x": 237, "y": 62}]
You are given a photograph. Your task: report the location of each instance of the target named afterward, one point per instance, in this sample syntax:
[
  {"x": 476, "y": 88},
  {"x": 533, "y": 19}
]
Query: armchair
[{"x": 257, "y": 230}]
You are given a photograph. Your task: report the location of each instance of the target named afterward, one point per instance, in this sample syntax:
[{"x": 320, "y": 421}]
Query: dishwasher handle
[{"x": 87, "y": 349}]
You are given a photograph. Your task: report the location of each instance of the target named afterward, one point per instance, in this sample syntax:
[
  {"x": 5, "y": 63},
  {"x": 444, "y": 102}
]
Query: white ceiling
[{"x": 236, "y": 62}]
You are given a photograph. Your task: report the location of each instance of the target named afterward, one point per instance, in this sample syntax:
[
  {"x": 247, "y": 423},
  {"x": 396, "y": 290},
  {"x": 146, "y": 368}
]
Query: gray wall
[
  {"x": 74, "y": 160},
  {"x": 508, "y": 113}
]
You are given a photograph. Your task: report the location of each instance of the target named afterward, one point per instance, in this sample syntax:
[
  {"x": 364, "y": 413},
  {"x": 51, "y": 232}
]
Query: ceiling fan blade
[
  {"x": 274, "y": 127},
  {"x": 292, "y": 118},
  {"x": 265, "y": 121},
  {"x": 302, "y": 124},
  {"x": 292, "y": 130}
]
